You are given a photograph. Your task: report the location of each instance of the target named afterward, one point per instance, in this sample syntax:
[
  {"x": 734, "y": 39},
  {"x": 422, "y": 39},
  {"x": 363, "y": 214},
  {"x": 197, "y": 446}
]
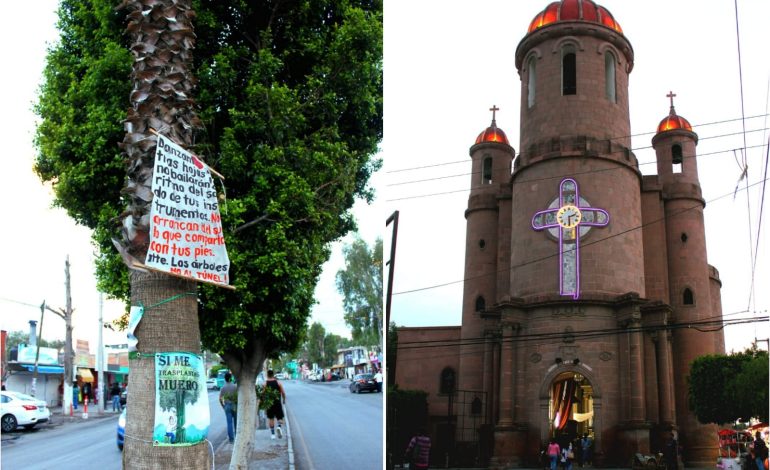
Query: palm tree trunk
[
  {"x": 162, "y": 40},
  {"x": 169, "y": 326}
]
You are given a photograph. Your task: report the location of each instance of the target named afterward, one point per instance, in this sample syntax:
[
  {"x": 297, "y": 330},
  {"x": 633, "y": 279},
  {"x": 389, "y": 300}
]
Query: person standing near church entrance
[{"x": 554, "y": 452}]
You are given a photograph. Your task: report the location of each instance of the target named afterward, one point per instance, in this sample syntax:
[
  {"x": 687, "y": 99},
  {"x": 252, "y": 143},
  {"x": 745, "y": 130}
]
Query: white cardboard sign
[{"x": 186, "y": 236}]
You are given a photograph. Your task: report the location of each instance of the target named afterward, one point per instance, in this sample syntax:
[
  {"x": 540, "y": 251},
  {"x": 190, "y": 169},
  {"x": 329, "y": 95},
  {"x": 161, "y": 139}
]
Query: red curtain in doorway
[{"x": 563, "y": 395}]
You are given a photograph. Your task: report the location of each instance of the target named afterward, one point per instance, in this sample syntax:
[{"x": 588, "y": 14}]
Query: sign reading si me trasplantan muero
[
  {"x": 186, "y": 236},
  {"x": 181, "y": 400}
]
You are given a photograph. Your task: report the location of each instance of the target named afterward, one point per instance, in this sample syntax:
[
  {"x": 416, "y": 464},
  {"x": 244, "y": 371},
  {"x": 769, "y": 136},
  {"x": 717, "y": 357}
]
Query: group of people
[
  {"x": 228, "y": 399},
  {"x": 579, "y": 450}
]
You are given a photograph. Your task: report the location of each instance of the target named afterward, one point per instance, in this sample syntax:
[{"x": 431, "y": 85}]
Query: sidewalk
[{"x": 267, "y": 454}]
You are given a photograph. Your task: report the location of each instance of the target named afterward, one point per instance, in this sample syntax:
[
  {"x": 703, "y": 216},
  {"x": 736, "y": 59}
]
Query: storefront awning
[
  {"x": 44, "y": 369},
  {"x": 86, "y": 375}
]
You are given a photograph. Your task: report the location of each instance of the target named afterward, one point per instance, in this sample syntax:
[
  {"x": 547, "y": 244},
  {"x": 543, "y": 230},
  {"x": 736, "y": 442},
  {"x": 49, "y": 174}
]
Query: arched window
[
  {"x": 531, "y": 81},
  {"x": 609, "y": 77},
  {"x": 447, "y": 385},
  {"x": 688, "y": 298},
  {"x": 486, "y": 171},
  {"x": 480, "y": 304},
  {"x": 568, "y": 71}
]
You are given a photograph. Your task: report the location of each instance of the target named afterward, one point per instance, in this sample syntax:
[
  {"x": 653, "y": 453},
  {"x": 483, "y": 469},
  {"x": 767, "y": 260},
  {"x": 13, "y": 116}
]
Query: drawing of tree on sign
[{"x": 178, "y": 386}]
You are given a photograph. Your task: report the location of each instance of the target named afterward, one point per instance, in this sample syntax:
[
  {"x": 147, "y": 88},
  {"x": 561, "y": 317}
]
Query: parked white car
[
  {"x": 18, "y": 409},
  {"x": 211, "y": 383}
]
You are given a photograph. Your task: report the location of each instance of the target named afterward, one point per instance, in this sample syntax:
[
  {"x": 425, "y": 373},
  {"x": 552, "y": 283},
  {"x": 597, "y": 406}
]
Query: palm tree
[{"x": 162, "y": 37}]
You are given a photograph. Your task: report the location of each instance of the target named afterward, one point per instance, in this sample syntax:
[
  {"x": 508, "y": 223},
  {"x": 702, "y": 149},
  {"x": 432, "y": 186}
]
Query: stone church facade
[{"x": 581, "y": 274}]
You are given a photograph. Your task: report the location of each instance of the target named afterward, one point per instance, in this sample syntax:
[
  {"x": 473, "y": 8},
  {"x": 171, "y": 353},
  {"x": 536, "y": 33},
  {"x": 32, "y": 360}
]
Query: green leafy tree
[
  {"x": 332, "y": 343},
  {"x": 315, "y": 344},
  {"x": 724, "y": 388},
  {"x": 289, "y": 96},
  {"x": 360, "y": 284},
  {"x": 15, "y": 338}
]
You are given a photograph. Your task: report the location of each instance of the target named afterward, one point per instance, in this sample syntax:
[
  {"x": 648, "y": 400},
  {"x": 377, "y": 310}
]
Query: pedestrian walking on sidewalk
[
  {"x": 227, "y": 398},
  {"x": 378, "y": 380},
  {"x": 115, "y": 395},
  {"x": 275, "y": 412}
]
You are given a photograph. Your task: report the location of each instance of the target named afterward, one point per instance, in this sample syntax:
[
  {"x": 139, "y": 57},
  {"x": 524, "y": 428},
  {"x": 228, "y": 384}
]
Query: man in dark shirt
[{"x": 228, "y": 396}]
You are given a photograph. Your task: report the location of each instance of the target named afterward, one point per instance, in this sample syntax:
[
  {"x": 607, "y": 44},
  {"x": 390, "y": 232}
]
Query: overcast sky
[
  {"x": 37, "y": 238},
  {"x": 447, "y": 63}
]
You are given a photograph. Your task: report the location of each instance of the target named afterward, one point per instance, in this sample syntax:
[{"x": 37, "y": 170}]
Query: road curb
[{"x": 288, "y": 437}]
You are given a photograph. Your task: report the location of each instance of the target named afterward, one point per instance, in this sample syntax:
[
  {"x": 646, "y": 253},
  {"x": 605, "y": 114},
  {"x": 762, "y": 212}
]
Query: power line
[
  {"x": 745, "y": 169},
  {"x": 400, "y": 170},
  {"x": 544, "y": 258},
  {"x": 550, "y": 337},
  {"x": 546, "y": 178}
]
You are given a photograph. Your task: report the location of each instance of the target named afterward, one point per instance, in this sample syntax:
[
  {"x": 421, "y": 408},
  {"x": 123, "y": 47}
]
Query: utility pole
[
  {"x": 66, "y": 314},
  {"x": 391, "y": 265},
  {"x": 100, "y": 359},
  {"x": 37, "y": 352}
]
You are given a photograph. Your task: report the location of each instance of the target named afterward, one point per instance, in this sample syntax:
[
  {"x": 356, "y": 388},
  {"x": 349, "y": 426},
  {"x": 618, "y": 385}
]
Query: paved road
[
  {"x": 333, "y": 428},
  {"x": 79, "y": 445}
]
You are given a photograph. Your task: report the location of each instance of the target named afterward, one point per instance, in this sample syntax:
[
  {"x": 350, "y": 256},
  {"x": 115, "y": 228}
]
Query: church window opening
[
  {"x": 568, "y": 71},
  {"x": 447, "y": 385},
  {"x": 482, "y": 243},
  {"x": 480, "y": 304},
  {"x": 688, "y": 298},
  {"x": 676, "y": 157},
  {"x": 486, "y": 171},
  {"x": 531, "y": 79},
  {"x": 684, "y": 237},
  {"x": 609, "y": 77},
  {"x": 571, "y": 405},
  {"x": 676, "y": 153}
]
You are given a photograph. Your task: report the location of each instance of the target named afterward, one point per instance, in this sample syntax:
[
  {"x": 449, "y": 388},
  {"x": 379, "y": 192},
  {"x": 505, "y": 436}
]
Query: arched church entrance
[{"x": 570, "y": 407}]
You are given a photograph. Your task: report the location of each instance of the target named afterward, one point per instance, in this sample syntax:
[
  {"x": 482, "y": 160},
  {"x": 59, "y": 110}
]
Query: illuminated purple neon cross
[{"x": 569, "y": 215}]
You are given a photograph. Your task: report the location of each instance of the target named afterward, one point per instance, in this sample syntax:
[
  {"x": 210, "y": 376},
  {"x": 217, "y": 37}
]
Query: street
[
  {"x": 333, "y": 428},
  {"x": 79, "y": 445}
]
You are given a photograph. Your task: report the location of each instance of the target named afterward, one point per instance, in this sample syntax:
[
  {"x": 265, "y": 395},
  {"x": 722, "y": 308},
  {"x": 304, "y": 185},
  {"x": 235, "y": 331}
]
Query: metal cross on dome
[{"x": 569, "y": 215}]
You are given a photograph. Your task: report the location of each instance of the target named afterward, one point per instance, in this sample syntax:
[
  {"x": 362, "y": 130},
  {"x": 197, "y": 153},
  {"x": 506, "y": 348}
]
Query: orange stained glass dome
[
  {"x": 574, "y": 10},
  {"x": 492, "y": 134},
  {"x": 674, "y": 122}
]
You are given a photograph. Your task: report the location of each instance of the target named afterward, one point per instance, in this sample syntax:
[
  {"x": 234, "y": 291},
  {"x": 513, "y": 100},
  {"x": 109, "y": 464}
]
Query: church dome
[
  {"x": 674, "y": 122},
  {"x": 492, "y": 134},
  {"x": 574, "y": 10}
]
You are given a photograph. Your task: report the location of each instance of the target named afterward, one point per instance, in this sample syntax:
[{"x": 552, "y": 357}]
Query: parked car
[
  {"x": 18, "y": 409},
  {"x": 211, "y": 383},
  {"x": 121, "y": 429},
  {"x": 362, "y": 382}
]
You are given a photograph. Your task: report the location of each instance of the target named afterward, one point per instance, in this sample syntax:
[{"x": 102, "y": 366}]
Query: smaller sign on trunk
[{"x": 181, "y": 400}]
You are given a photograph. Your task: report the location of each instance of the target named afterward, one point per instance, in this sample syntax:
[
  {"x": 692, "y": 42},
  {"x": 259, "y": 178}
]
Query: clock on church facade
[{"x": 576, "y": 270}]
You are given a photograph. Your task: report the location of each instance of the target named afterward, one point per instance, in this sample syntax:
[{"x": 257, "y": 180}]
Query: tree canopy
[
  {"x": 290, "y": 97},
  {"x": 725, "y": 388},
  {"x": 360, "y": 283}
]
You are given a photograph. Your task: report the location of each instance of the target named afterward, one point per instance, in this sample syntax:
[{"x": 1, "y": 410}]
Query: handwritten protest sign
[
  {"x": 186, "y": 236},
  {"x": 181, "y": 400}
]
